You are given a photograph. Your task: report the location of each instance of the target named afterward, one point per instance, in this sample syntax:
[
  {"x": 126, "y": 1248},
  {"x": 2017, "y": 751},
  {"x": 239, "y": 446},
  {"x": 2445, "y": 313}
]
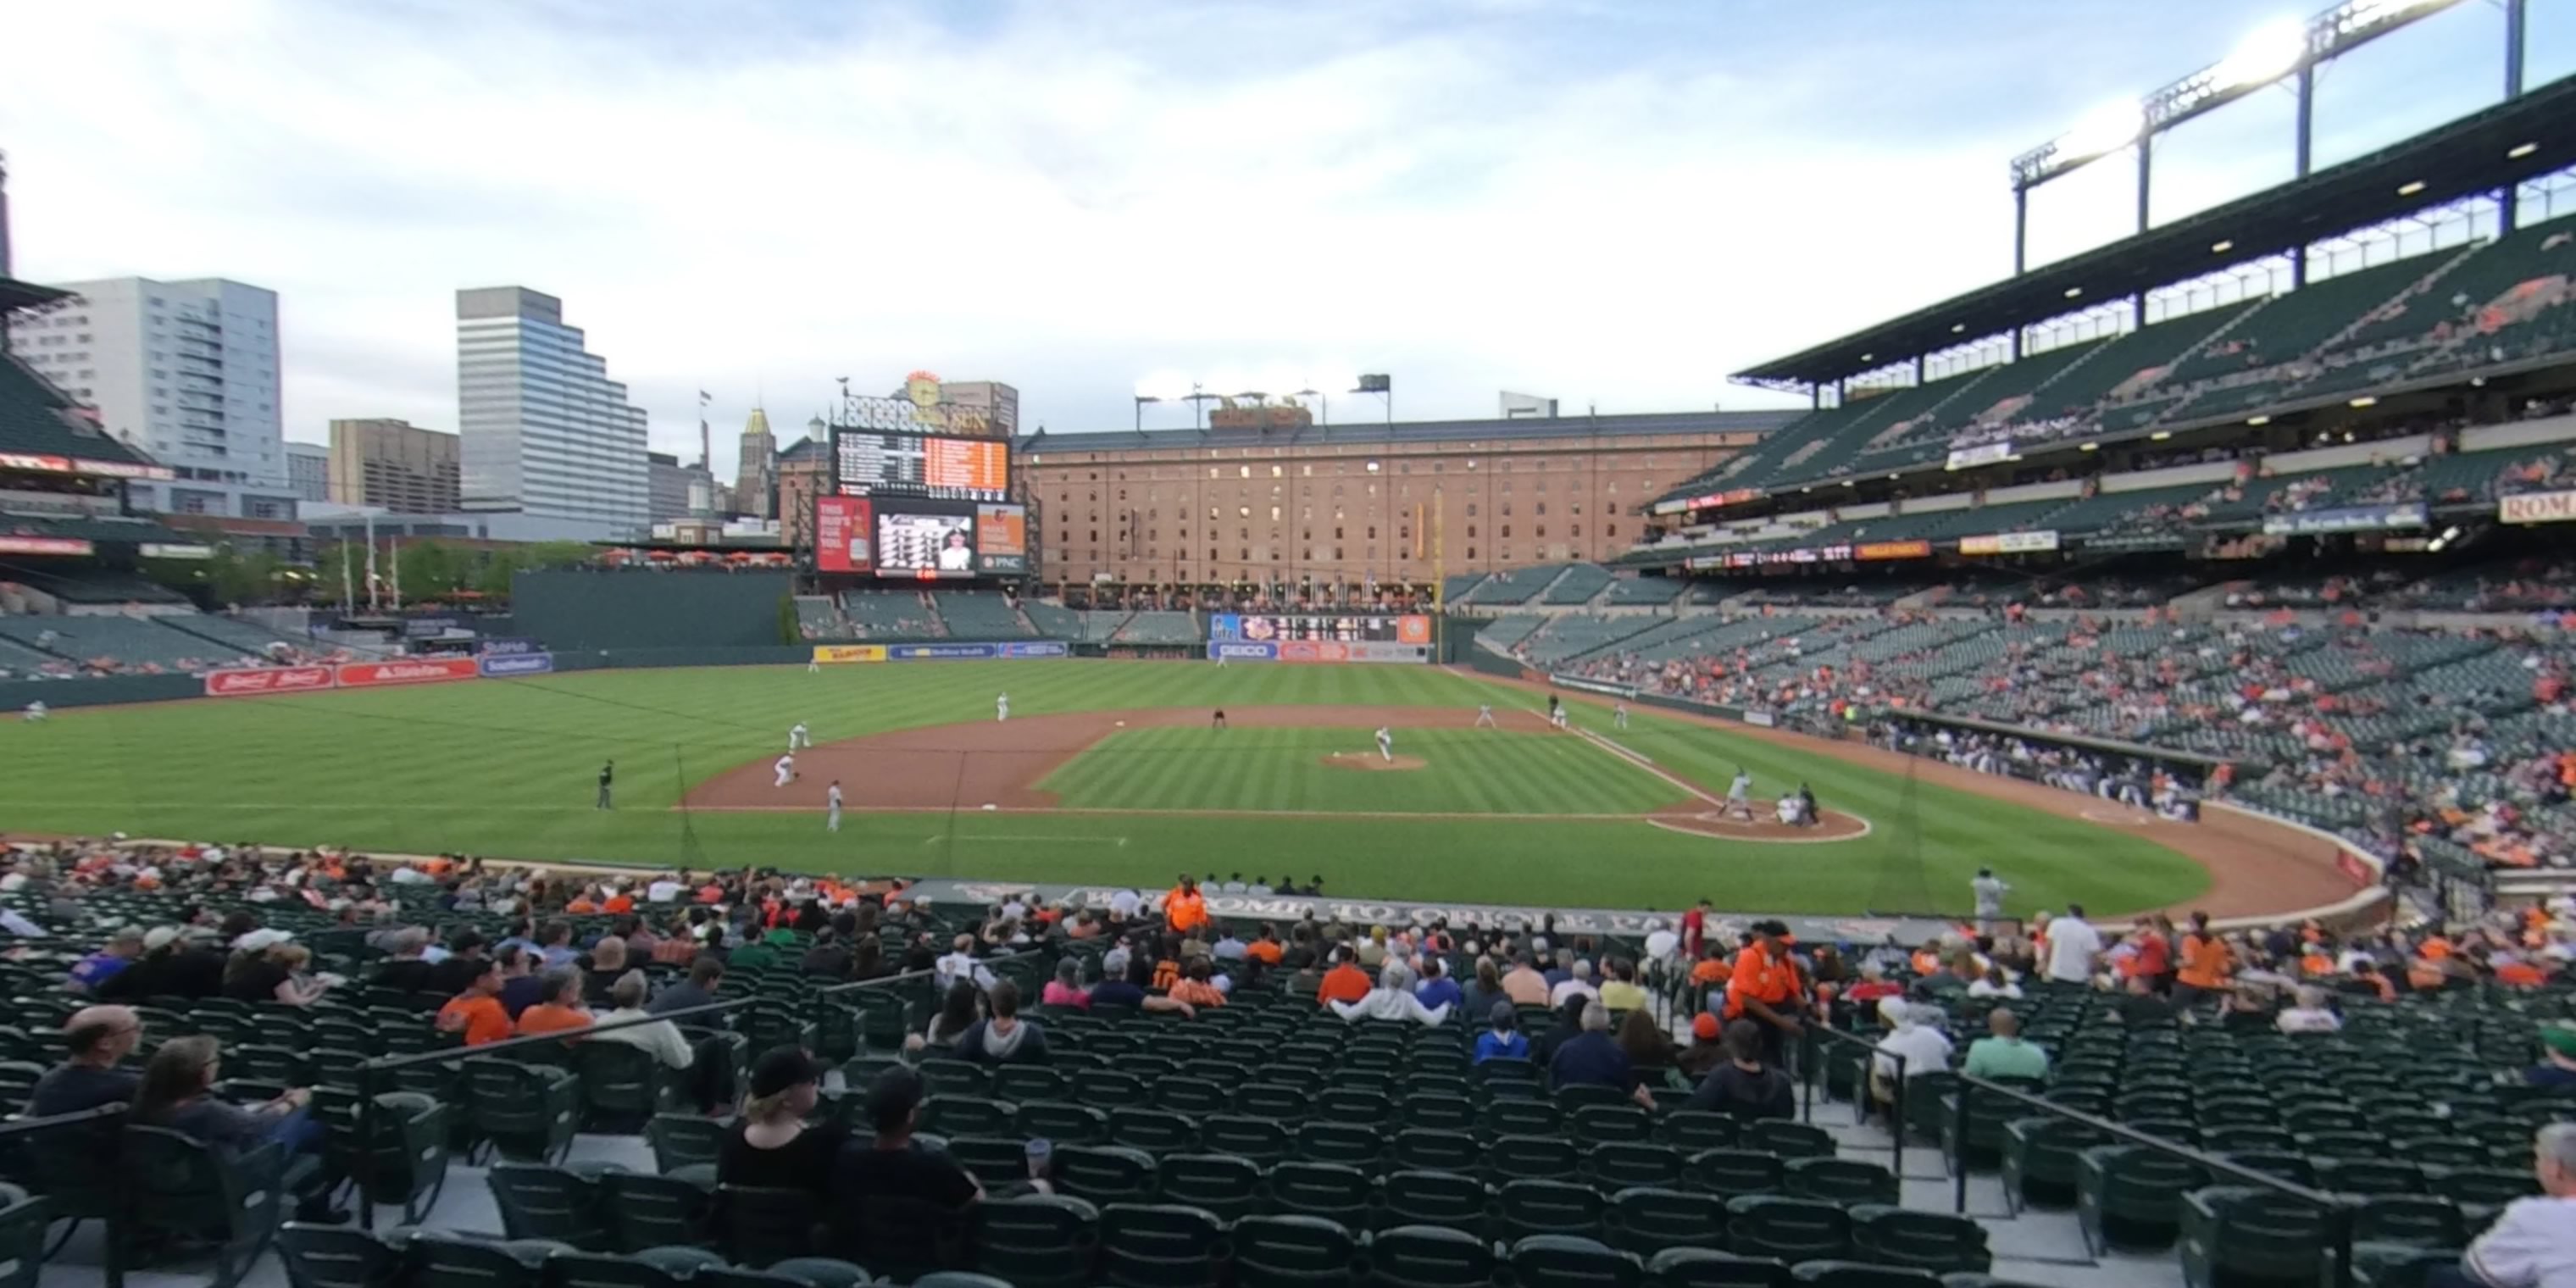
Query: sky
[{"x": 1612, "y": 204}]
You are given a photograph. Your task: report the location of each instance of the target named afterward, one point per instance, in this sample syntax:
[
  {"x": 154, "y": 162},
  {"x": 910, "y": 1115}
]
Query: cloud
[{"x": 1607, "y": 203}]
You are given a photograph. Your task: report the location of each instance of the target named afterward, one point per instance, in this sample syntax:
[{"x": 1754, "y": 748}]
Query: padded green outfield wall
[{"x": 574, "y": 610}]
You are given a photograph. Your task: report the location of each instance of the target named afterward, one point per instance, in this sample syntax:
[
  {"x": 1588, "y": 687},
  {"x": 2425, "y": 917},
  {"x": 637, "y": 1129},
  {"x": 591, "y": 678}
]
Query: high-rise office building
[
  {"x": 185, "y": 371},
  {"x": 672, "y": 486},
  {"x": 543, "y": 429},
  {"x": 308, "y": 471},
  {"x": 395, "y": 465}
]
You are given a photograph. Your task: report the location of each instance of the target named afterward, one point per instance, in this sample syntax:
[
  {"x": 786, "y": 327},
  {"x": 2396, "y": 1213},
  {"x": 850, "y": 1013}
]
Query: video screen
[
  {"x": 925, "y": 546},
  {"x": 878, "y": 463}
]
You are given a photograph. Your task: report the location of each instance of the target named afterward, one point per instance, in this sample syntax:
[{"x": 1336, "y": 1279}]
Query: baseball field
[{"x": 1105, "y": 772}]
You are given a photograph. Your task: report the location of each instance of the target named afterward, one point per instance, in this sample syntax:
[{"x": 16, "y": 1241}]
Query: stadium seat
[
  {"x": 1730, "y": 1172},
  {"x": 1328, "y": 1190},
  {"x": 821, "y": 1272},
  {"x": 1532, "y": 1158},
  {"x": 1106, "y": 1174},
  {"x": 1839, "y": 1180},
  {"x": 1449, "y": 1199},
  {"x": 1062, "y": 1123},
  {"x": 1562, "y": 1261},
  {"x": 1645, "y": 1221},
  {"x": 408, "y": 1164},
  {"x": 1292, "y": 1252},
  {"x": 758, "y": 1226},
  {"x": 607, "y": 1270},
  {"x": 180, "y": 1188},
  {"x": 1262, "y": 1140},
  {"x": 1351, "y": 1143},
  {"x": 2238, "y": 1234},
  {"x": 527, "y": 1111},
  {"x": 1792, "y": 1230},
  {"x": 319, "y": 1256},
  {"x": 1223, "y": 1184},
  {"x": 1931, "y": 1241},
  {"x": 1160, "y": 1245},
  {"x": 1862, "y": 1274},
  {"x": 1693, "y": 1130},
  {"x": 1424, "y": 1256},
  {"x": 648, "y": 1211},
  {"x": 2130, "y": 1197},
  {"x": 1037, "y": 1241},
  {"x": 552, "y": 1203},
  {"x": 1439, "y": 1151},
  {"x": 2040, "y": 1160},
  {"x": 1705, "y": 1268},
  {"x": 1527, "y": 1207},
  {"x": 441, "y": 1259}
]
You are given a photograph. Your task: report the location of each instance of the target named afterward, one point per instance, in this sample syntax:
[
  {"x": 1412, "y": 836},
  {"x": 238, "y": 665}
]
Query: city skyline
[{"x": 1609, "y": 205}]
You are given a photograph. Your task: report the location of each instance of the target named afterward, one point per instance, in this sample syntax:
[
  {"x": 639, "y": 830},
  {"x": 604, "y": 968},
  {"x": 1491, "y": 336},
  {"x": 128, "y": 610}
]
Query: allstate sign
[
  {"x": 1239, "y": 652},
  {"x": 517, "y": 663}
]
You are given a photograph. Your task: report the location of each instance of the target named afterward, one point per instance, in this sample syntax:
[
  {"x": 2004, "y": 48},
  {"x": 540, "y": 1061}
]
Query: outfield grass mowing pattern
[
  {"x": 506, "y": 768},
  {"x": 1465, "y": 771}
]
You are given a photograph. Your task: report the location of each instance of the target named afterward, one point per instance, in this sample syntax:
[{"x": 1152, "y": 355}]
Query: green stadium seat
[
  {"x": 526, "y": 1111},
  {"x": 1104, "y": 1174},
  {"x": 965, "y": 1115},
  {"x": 820, "y": 1272},
  {"x": 1439, "y": 1151},
  {"x": 1730, "y": 1172},
  {"x": 1596, "y": 1124},
  {"x": 552, "y": 1203},
  {"x": 2235, "y": 1235},
  {"x": 1224, "y": 1184},
  {"x": 438, "y": 1259},
  {"x": 1930, "y": 1241},
  {"x": 1551, "y": 1158},
  {"x": 1645, "y": 1220},
  {"x": 1789, "y": 1140},
  {"x": 1292, "y": 1252},
  {"x": 1428, "y": 1256},
  {"x": 1062, "y": 1123},
  {"x": 1328, "y": 1190},
  {"x": 997, "y": 1161},
  {"x": 1862, "y": 1274},
  {"x": 1707, "y": 1268},
  {"x": 684, "y": 1140},
  {"x": 1449, "y": 1199},
  {"x": 646, "y": 1211},
  {"x": 758, "y": 1226},
  {"x": 1840, "y": 1180},
  {"x": 1792, "y": 1230},
  {"x": 316, "y": 1256},
  {"x": 1156, "y": 1131},
  {"x": 1530, "y": 1207},
  {"x": 1562, "y": 1261},
  {"x": 2130, "y": 1197},
  {"x": 2040, "y": 1160},
  {"x": 1356, "y": 1144},
  {"x": 1037, "y": 1241},
  {"x": 606, "y": 1270},
  {"x": 1260, "y": 1139},
  {"x": 1159, "y": 1245}
]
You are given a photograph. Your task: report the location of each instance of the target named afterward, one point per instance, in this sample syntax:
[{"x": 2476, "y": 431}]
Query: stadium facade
[{"x": 1357, "y": 506}]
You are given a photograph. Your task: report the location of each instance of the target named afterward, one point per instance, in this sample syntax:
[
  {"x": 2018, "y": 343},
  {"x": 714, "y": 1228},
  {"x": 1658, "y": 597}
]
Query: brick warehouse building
[{"x": 1353, "y": 505}]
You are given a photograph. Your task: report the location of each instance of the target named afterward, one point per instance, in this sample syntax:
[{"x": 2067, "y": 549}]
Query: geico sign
[{"x": 272, "y": 679}]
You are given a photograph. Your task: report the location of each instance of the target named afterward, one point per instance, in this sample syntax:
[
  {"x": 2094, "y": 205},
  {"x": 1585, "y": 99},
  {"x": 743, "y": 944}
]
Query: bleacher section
[
  {"x": 1054, "y": 620},
  {"x": 888, "y": 614},
  {"x": 819, "y": 618},
  {"x": 227, "y": 632},
  {"x": 1631, "y": 592},
  {"x": 1455, "y": 589},
  {"x": 978, "y": 615},
  {"x": 134, "y": 643},
  {"x": 37, "y": 421},
  {"x": 1578, "y": 585},
  {"x": 1519, "y": 586},
  {"x": 1572, "y": 635},
  {"x": 1160, "y": 628}
]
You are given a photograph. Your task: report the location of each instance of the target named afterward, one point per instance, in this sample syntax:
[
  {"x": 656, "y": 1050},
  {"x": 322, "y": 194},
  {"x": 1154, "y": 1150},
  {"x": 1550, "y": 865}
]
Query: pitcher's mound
[{"x": 1370, "y": 760}]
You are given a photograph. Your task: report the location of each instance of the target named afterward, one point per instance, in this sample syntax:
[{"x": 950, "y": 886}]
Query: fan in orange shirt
[
  {"x": 477, "y": 1012},
  {"x": 1185, "y": 909},
  {"x": 1345, "y": 982},
  {"x": 561, "y": 1011}
]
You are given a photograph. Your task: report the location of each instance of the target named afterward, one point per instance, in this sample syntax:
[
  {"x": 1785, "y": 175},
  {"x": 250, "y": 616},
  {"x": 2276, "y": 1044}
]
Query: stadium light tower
[{"x": 2285, "y": 49}]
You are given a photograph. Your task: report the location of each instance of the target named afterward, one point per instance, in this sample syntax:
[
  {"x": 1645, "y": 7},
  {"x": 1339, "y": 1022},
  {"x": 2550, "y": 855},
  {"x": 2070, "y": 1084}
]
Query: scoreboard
[
  {"x": 868, "y": 462},
  {"x": 1342, "y": 627}
]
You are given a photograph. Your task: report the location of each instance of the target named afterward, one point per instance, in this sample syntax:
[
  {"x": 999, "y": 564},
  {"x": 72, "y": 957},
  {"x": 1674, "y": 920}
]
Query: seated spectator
[
  {"x": 1392, "y": 999},
  {"x": 1707, "y": 1048},
  {"x": 1592, "y": 1058},
  {"x": 1502, "y": 1036},
  {"x": 477, "y": 1012},
  {"x": 177, "y": 1092},
  {"x": 1197, "y": 985},
  {"x": 2004, "y": 1054},
  {"x": 1478, "y": 995},
  {"x": 1524, "y": 983},
  {"x": 463, "y": 964},
  {"x": 1743, "y": 1086},
  {"x": 2310, "y": 1015},
  {"x": 706, "y": 975},
  {"x": 406, "y": 967},
  {"x": 521, "y": 984},
  {"x": 1436, "y": 988},
  {"x": 1620, "y": 992},
  {"x": 1994, "y": 983},
  {"x": 1874, "y": 986},
  {"x": 1128, "y": 989},
  {"x": 1650, "y": 1050},
  {"x": 2531, "y": 1244},
  {"x": 561, "y": 1010},
  {"x": 891, "y": 1175},
  {"x": 121, "y": 950},
  {"x": 98, "y": 1038},
  {"x": 1577, "y": 983},
  {"x": 1345, "y": 982},
  {"x": 607, "y": 966},
  {"x": 661, "y": 1038},
  {"x": 1922, "y": 1048},
  {"x": 1003, "y": 1037},
  {"x": 2557, "y": 1067},
  {"x": 1066, "y": 988},
  {"x": 959, "y": 1010},
  {"x": 772, "y": 1146},
  {"x": 265, "y": 969},
  {"x": 829, "y": 958}
]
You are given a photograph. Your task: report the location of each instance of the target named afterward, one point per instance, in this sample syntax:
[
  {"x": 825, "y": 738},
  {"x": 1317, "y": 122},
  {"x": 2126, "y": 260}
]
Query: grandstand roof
[
  {"x": 1413, "y": 431},
  {"x": 15, "y": 295},
  {"x": 2460, "y": 159}
]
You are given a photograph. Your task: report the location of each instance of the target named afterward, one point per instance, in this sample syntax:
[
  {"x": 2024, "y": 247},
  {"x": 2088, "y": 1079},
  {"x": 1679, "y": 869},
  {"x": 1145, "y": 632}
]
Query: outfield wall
[{"x": 583, "y": 609}]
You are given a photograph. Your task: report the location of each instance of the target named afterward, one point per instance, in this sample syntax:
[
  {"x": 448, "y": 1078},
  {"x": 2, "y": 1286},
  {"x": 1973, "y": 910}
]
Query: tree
[{"x": 428, "y": 569}]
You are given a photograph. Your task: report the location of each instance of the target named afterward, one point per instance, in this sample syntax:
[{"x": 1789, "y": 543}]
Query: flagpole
[{"x": 371, "y": 563}]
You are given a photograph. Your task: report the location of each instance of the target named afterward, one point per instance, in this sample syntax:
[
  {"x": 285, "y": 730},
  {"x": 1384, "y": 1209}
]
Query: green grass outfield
[
  {"x": 1465, "y": 771},
  {"x": 506, "y": 768}
]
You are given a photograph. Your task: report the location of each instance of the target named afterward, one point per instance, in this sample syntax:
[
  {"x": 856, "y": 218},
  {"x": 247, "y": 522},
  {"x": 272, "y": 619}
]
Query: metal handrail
[
  {"x": 2337, "y": 1208},
  {"x": 1810, "y": 1069}
]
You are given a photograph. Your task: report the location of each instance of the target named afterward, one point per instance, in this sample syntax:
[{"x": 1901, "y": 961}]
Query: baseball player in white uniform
[
  {"x": 35, "y": 713},
  {"x": 1002, "y": 706},
  {"x": 1739, "y": 795},
  {"x": 1619, "y": 715},
  {"x": 798, "y": 739},
  {"x": 1485, "y": 716},
  {"x": 813, "y": 665},
  {"x": 1386, "y": 744},
  {"x": 832, "y": 819},
  {"x": 786, "y": 770}
]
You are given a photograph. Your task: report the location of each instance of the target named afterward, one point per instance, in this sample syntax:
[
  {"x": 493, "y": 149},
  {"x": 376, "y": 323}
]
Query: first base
[{"x": 990, "y": 805}]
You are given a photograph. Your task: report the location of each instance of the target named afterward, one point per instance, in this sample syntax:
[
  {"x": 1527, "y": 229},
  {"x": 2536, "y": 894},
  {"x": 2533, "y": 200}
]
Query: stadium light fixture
[
  {"x": 2160, "y": 436},
  {"x": 2364, "y": 401},
  {"x": 2258, "y": 421},
  {"x": 1957, "y": 327},
  {"x": 2521, "y": 150},
  {"x": 2410, "y": 188},
  {"x": 2222, "y": 246},
  {"x": 2090, "y": 447},
  {"x": 2073, "y": 291},
  {"x": 2267, "y": 54}
]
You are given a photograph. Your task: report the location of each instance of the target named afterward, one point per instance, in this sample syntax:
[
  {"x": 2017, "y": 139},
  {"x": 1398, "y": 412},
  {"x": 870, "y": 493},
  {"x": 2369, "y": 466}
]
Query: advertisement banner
[
  {"x": 2008, "y": 543},
  {"x": 82, "y": 465},
  {"x": 1345, "y": 628},
  {"x": 1002, "y": 539},
  {"x": 1041, "y": 648},
  {"x": 940, "y": 652},
  {"x": 1962, "y": 458},
  {"x": 517, "y": 663},
  {"x": 2538, "y": 507},
  {"x": 1892, "y": 550},
  {"x": 419, "y": 670},
  {"x": 266, "y": 679},
  {"x": 1711, "y": 501},
  {"x": 1231, "y": 651},
  {"x": 45, "y": 546},
  {"x": 1593, "y": 686},
  {"x": 2359, "y": 518},
  {"x": 844, "y": 535},
  {"x": 504, "y": 645},
  {"x": 174, "y": 550},
  {"x": 833, "y": 653}
]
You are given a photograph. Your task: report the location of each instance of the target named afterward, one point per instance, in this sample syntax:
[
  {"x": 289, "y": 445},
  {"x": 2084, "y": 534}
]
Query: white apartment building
[
  {"x": 187, "y": 372},
  {"x": 542, "y": 429}
]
